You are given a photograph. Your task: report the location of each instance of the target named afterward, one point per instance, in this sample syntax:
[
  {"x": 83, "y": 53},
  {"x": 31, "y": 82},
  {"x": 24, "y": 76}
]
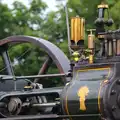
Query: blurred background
[{"x": 45, "y": 19}]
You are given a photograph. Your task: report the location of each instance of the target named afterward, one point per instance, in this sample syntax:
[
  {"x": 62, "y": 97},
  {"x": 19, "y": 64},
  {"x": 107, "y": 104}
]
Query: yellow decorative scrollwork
[{"x": 82, "y": 93}]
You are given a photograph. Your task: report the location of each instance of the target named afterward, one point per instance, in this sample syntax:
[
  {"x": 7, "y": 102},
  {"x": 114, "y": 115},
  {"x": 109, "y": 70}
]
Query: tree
[
  {"x": 32, "y": 21},
  {"x": 22, "y": 20},
  {"x": 114, "y": 10},
  {"x": 27, "y": 21},
  {"x": 26, "y": 58},
  {"x": 56, "y": 20}
]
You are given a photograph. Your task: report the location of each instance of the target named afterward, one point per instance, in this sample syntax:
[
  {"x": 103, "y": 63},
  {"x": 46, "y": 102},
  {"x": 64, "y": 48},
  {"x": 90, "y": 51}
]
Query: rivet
[
  {"x": 113, "y": 92},
  {"x": 118, "y": 82},
  {"x": 113, "y": 108}
]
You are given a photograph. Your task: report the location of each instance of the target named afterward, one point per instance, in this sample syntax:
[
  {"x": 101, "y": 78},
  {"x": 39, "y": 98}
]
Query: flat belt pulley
[{"x": 14, "y": 106}]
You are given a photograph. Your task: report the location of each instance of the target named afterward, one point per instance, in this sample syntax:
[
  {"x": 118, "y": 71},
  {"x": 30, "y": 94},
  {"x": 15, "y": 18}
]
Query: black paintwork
[
  {"x": 109, "y": 93},
  {"x": 109, "y": 104},
  {"x": 58, "y": 57}
]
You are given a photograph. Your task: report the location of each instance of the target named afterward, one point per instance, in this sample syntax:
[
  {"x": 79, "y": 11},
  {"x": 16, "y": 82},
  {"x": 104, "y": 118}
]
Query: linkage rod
[
  {"x": 48, "y": 117},
  {"x": 41, "y": 105},
  {"x": 33, "y": 76}
]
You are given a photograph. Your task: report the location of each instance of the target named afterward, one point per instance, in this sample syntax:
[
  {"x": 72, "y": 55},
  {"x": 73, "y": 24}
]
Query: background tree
[
  {"x": 22, "y": 20},
  {"x": 34, "y": 21}
]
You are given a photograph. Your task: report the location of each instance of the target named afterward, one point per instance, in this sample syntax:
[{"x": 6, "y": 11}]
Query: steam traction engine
[{"x": 91, "y": 77}]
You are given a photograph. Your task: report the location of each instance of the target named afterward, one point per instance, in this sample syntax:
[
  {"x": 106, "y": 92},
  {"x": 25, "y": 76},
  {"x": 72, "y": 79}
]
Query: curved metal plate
[{"x": 58, "y": 57}]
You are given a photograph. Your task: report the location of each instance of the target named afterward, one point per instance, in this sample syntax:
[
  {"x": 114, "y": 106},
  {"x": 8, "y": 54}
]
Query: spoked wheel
[{"x": 32, "y": 56}]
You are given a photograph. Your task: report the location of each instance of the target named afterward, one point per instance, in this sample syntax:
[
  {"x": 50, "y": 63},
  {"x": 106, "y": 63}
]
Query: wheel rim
[{"x": 54, "y": 53}]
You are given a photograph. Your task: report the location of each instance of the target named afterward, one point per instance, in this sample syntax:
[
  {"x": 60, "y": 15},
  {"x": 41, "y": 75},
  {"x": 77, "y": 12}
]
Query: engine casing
[{"x": 93, "y": 92}]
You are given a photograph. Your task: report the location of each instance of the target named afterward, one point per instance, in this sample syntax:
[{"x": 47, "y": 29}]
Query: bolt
[
  {"x": 69, "y": 74},
  {"x": 118, "y": 82},
  {"x": 113, "y": 92},
  {"x": 113, "y": 108}
]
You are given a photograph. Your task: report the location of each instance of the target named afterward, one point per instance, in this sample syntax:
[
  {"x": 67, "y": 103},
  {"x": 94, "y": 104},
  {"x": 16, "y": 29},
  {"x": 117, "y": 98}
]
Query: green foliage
[{"x": 33, "y": 21}]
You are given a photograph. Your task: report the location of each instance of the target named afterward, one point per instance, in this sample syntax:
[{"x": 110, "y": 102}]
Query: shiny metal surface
[{"x": 53, "y": 51}]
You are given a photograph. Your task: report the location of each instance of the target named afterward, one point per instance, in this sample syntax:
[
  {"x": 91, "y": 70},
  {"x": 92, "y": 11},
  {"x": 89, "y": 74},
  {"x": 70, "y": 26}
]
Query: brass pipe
[
  {"x": 77, "y": 29},
  {"x": 118, "y": 47},
  {"x": 110, "y": 48},
  {"x": 91, "y": 58}
]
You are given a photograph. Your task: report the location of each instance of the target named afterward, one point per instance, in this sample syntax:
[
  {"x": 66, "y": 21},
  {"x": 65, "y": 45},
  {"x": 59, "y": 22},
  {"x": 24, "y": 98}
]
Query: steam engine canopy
[{"x": 93, "y": 92}]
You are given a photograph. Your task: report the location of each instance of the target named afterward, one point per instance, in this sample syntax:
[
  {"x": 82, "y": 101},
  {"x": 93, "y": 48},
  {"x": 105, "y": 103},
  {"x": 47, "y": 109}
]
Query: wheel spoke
[
  {"x": 56, "y": 56},
  {"x": 44, "y": 68},
  {"x": 7, "y": 62}
]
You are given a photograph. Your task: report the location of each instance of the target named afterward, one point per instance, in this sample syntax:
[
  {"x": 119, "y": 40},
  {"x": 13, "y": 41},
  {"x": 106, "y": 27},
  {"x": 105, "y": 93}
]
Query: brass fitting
[
  {"x": 77, "y": 31},
  {"x": 91, "y": 39},
  {"x": 76, "y": 56},
  {"x": 103, "y": 5}
]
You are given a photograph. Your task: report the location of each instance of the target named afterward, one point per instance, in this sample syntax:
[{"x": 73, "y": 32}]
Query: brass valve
[
  {"x": 102, "y": 5},
  {"x": 91, "y": 44},
  {"x": 91, "y": 39}
]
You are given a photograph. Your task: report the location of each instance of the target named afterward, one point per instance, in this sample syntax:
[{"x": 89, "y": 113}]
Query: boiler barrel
[{"x": 82, "y": 95}]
